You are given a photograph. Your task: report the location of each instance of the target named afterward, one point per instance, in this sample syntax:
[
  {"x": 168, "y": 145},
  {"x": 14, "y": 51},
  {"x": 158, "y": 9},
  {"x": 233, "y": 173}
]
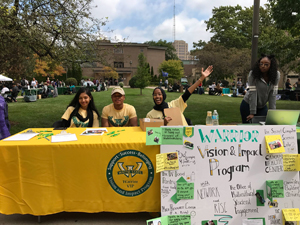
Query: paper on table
[
  {"x": 93, "y": 131},
  {"x": 21, "y": 137},
  {"x": 63, "y": 138}
]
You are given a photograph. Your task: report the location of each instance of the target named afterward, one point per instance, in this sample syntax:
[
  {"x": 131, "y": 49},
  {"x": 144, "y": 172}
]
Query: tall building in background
[{"x": 182, "y": 50}]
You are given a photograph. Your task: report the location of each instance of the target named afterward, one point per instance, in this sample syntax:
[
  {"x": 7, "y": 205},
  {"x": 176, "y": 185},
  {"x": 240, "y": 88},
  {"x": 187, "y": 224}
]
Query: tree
[
  {"x": 232, "y": 25},
  {"x": 170, "y": 51},
  {"x": 61, "y": 30},
  {"x": 232, "y": 28},
  {"x": 283, "y": 45},
  {"x": 142, "y": 75},
  {"x": 199, "y": 45},
  {"x": 47, "y": 67},
  {"x": 227, "y": 62},
  {"x": 173, "y": 67},
  {"x": 286, "y": 14},
  {"x": 109, "y": 72},
  {"x": 75, "y": 71}
]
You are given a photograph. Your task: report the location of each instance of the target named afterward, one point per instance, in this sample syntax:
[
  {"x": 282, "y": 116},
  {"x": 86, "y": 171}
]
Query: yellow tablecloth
[{"x": 93, "y": 174}]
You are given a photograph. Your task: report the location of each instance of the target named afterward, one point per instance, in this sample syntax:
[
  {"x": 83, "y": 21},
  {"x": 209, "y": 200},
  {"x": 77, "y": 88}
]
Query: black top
[{"x": 287, "y": 86}]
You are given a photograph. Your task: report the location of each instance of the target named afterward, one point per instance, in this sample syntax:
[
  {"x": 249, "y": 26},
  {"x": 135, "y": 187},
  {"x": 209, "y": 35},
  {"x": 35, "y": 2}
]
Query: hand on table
[{"x": 250, "y": 117}]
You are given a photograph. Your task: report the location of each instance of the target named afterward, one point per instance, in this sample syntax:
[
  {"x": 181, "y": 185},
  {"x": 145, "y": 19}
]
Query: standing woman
[
  {"x": 159, "y": 97},
  {"x": 263, "y": 86},
  {"x": 81, "y": 112}
]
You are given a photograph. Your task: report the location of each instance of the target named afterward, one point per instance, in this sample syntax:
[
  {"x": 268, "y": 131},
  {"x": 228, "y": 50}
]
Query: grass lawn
[{"x": 44, "y": 112}]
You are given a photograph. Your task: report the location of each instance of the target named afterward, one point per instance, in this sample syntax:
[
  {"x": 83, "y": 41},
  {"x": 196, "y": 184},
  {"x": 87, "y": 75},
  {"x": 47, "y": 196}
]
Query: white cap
[{"x": 118, "y": 90}]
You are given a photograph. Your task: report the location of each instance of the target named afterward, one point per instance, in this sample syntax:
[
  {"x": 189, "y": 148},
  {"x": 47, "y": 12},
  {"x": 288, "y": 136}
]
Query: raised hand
[{"x": 207, "y": 72}]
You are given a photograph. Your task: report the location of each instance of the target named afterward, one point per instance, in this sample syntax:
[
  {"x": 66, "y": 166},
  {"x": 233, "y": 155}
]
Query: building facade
[
  {"x": 123, "y": 57},
  {"x": 182, "y": 50}
]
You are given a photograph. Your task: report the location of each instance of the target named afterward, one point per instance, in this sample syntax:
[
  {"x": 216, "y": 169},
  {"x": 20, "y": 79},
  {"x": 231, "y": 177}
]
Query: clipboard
[{"x": 175, "y": 114}]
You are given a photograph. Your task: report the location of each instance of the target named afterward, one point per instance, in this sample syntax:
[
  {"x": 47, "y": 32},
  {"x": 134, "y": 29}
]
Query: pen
[
  {"x": 111, "y": 133},
  {"x": 47, "y": 139}
]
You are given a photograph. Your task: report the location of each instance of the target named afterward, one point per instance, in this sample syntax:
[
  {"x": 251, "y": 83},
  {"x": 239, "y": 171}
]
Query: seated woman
[
  {"x": 159, "y": 97},
  {"x": 81, "y": 112},
  {"x": 219, "y": 89}
]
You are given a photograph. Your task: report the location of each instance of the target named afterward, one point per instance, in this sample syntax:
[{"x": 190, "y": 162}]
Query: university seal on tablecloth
[{"x": 130, "y": 173}]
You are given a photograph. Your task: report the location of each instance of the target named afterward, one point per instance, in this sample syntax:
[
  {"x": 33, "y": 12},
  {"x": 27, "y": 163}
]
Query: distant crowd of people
[{"x": 10, "y": 90}]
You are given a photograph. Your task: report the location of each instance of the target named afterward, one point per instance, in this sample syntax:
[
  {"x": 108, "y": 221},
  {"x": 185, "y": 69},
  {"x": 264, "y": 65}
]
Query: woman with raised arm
[{"x": 159, "y": 97}]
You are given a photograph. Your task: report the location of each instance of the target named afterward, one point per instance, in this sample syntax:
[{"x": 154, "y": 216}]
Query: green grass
[{"x": 44, "y": 112}]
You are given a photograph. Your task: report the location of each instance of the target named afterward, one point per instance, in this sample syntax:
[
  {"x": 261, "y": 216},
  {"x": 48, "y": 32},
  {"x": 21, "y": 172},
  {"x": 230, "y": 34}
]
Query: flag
[{"x": 164, "y": 74}]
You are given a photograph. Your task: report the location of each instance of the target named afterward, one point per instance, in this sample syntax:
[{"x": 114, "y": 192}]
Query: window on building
[
  {"x": 119, "y": 64},
  {"x": 118, "y": 50},
  {"x": 141, "y": 49}
]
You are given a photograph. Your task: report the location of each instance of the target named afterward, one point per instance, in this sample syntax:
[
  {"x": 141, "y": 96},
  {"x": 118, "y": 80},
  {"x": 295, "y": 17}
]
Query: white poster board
[{"x": 228, "y": 164}]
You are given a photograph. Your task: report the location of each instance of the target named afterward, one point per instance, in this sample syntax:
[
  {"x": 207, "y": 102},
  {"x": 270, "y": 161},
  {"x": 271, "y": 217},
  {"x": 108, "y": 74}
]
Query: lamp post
[{"x": 255, "y": 22}]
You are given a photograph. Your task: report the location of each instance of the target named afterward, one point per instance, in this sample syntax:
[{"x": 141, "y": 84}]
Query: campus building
[
  {"x": 182, "y": 50},
  {"x": 123, "y": 57}
]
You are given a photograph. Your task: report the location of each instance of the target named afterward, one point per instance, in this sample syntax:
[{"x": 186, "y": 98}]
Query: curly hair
[{"x": 272, "y": 72}]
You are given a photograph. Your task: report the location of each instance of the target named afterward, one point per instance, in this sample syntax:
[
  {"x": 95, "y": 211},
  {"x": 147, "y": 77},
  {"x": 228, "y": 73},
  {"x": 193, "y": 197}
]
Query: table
[
  {"x": 226, "y": 91},
  {"x": 32, "y": 91},
  {"x": 93, "y": 174}
]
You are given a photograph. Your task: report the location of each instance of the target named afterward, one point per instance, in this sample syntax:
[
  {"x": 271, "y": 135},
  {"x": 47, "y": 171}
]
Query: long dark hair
[
  {"x": 75, "y": 102},
  {"x": 272, "y": 72}
]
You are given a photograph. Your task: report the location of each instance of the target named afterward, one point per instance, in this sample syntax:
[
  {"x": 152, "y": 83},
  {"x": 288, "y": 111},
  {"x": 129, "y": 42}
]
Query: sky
[{"x": 146, "y": 20}]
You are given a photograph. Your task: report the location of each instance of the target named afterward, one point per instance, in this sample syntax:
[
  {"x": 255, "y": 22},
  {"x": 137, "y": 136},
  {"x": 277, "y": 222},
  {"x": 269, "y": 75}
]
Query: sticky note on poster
[
  {"x": 174, "y": 198},
  {"x": 153, "y": 136},
  {"x": 259, "y": 219},
  {"x": 274, "y": 189},
  {"x": 171, "y": 220},
  {"x": 185, "y": 190},
  {"x": 167, "y": 161},
  {"x": 291, "y": 214},
  {"x": 172, "y": 135},
  {"x": 274, "y": 144},
  {"x": 291, "y": 162},
  {"x": 253, "y": 222}
]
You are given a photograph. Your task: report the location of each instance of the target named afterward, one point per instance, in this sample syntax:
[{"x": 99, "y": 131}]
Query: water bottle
[
  {"x": 209, "y": 119},
  {"x": 215, "y": 118}
]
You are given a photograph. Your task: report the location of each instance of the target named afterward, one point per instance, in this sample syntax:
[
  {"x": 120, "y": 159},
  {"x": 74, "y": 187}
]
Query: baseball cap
[{"x": 118, "y": 90}]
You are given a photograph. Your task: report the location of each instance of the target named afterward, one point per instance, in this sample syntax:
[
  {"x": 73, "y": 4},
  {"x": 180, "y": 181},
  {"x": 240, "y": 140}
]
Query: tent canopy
[{"x": 4, "y": 78}]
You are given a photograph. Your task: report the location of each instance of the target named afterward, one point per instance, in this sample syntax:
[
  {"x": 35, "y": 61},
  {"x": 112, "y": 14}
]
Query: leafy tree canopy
[
  {"x": 61, "y": 30},
  {"x": 170, "y": 52},
  {"x": 47, "y": 67},
  {"x": 109, "y": 72},
  {"x": 227, "y": 62},
  {"x": 286, "y": 13},
  {"x": 173, "y": 67},
  {"x": 232, "y": 25},
  {"x": 232, "y": 28}
]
